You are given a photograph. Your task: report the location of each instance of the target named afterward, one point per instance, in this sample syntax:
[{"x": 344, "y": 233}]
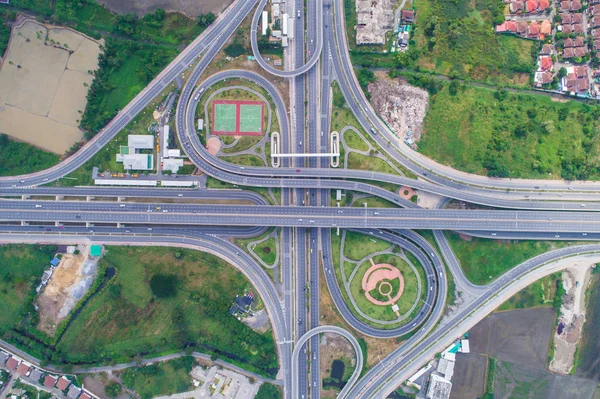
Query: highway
[{"x": 312, "y": 217}]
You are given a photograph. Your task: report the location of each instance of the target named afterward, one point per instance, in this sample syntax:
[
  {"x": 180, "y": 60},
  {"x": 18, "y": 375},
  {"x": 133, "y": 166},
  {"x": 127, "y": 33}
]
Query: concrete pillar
[{"x": 24, "y": 223}]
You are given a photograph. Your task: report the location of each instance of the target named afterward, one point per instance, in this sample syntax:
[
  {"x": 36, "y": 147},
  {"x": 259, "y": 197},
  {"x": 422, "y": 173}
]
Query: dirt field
[
  {"x": 589, "y": 347},
  {"x": 571, "y": 319},
  {"x": 400, "y": 105},
  {"x": 44, "y": 81},
  {"x": 69, "y": 282},
  {"x": 468, "y": 381},
  {"x": 333, "y": 347},
  {"x": 519, "y": 336},
  {"x": 514, "y": 381},
  {"x": 190, "y": 7}
]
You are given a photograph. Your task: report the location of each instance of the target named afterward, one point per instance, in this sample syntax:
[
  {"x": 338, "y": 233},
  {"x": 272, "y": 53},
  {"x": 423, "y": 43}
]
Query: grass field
[
  {"x": 456, "y": 38},
  {"x": 539, "y": 294},
  {"x": 407, "y": 299},
  {"x": 267, "y": 257},
  {"x": 483, "y": 260},
  {"x": 251, "y": 118},
  {"x": 164, "y": 378},
  {"x": 358, "y": 245},
  {"x": 374, "y": 202},
  {"x": 127, "y": 319},
  {"x": 502, "y": 134},
  {"x": 18, "y": 158},
  {"x": 225, "y": 118},
  {"x": 21, "y": 271},
  {"x": 355, "y": 141}
]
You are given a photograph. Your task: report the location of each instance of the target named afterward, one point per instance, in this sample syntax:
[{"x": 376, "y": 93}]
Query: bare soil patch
[
  {"x": 45, "y": 79},
  {"x": 68, "y": 284},
  {"x": 469, "y": 376},
  {"x": 333, "y": 347},
  {"x": 400, "y": 105},
  {"x": 192, "y": 8}
]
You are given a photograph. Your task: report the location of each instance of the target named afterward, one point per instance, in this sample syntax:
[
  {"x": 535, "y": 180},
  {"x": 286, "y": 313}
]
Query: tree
[
  {"x": 112, "y": 389},
  {"x": 453, "y": 88},
  {"x": 562, "y": 72},
  {"x": 205, "y": 20}
]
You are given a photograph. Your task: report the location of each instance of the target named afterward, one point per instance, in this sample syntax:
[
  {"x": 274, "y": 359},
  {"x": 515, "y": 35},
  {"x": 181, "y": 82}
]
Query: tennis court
[{"x": 238, "y": 118}]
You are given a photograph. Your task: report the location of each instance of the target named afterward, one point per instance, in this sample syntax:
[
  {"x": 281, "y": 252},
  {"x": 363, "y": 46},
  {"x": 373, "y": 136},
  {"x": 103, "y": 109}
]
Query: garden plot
[{"x": 45, "y": 78}]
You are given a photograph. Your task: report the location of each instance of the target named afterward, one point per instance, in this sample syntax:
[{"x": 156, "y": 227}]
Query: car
[
  {"x": 22, "y": 181},
  {"x": 165, "y": 211},
  {"x": 62, "y": 227},
  {"x": 38, "y": 206},
  {"x": 122, "y": 205},
  {"x": 583, "y": 205},
  {"x": 180, "y": 195},
  {"x": 46, "y": 179},
  {"x": 557, "y": 236},
  {"x": 297, "y": 170},
  {"x": 158, "y": 208},
  {"x": 298, "y": 13},
  {"x": 494, "y": 234},
  {"x": 570, "y": 188},
  {"x": 584, "y": 234}
]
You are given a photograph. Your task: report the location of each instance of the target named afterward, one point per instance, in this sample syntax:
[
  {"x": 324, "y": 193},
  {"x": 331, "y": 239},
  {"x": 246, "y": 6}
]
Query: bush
[
  {"x": 163, "y": 286},
  {"x": 112, "y": 389}
]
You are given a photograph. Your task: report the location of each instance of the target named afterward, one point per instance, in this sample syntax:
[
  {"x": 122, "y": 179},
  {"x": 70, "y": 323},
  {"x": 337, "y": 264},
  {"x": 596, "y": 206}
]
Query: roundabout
[{"x": 383, "y": 284}]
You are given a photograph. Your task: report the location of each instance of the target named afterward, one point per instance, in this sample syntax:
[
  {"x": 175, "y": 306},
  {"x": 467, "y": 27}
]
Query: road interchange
[{"x": 535, "y": 224}]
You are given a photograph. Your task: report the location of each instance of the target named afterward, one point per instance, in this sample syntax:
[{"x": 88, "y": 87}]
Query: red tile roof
[
  {"x": 546, "y": 27},
  {"x": 577, "y": 18},
  {"x": 511, "y": 26},
  {"x": 569, "y": 43},
  {"x": 565, "y": 5},
  {"x": 596, "y": 21},
  {"x": 596, "y": 33},
  {"x": 546, "y": 49},
  {"x": 532, "y": 5},
  {"x": 596, "y": 44},
  {"x": 580, "y": 51},
  {"x": 575, "y": 5},
  {"x": 568, "y": 53},
  {"x": 521, "y": 26},
  {"x": 583, "y": 84},
  {"x": 408, "y": 15},
  {"x": 49, "y": 381},
  {"x": 578, "y": 28},
  {"x": 546, "y": 63},
  {"x": 578, "y": 41},
  {"x": 544, "y": 4},
  {"x": 567, "y": 28},
  {"x": 23, "y": 369},
  {"x": 534, "y": 29},
  {"x": 580, "y": 71},
  {"x": 85, "y": 396},
  {"x": 63, "y": 383},
  {"x": 12, "y": 363},
  {"x": 566, "y": 18},
  {"x": 516, "y": 6}
]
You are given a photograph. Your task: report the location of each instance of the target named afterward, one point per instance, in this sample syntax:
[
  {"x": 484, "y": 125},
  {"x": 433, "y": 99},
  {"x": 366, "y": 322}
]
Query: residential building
[
  {"x": 545, "y": 28},
  {"x": 12, "y": 364},
  {"x": 546, "y": 49},
  {"x": 36, "y": 374},
  {"x": 24, "y": 369},
  {"x": 408, "y": 16},
  {"x": 439, "y": 387},
  {"x": 531, "y": 6},
  {"x": 50, "y": 381},
  {"x": 63, "y": 383},
  {"x": 73, "y": 392},
  {"x": 543, "y": 78},
  {"x": 533, "y": 30},
  {"x": 545, "y": 63},
  {"x": 516, "y": 7}
]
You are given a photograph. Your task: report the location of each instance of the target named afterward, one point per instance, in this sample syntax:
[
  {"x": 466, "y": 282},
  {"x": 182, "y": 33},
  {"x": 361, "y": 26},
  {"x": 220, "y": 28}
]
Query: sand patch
[
  {"x": 43, "y": 78},
  {"x": 213, "y": 145},
  {"x": 571, "y": 319}
]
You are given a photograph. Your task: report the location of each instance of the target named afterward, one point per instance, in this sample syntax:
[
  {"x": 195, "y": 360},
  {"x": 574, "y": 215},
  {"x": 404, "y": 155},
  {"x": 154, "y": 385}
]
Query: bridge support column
[
  {"x": 121, "y": 199},
  {"x": 334, "y": 142},
  {"x": 119, "y": 225},
  {"x": 24, "y": 223},
  {"x": 59, "y": 197},
  {"x": 57, "y": 224},
  {"x": 89, "y": 198},
  {"x": 24, "y": 197}
]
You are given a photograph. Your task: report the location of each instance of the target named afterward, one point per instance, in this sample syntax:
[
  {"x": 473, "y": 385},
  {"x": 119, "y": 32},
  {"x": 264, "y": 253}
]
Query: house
[
  {"x": 596, "y": 47},
  {"x": 569, "y": 43},
  {"x": 85, "y": 396},
  {"x": 546, "y": 63},
  {"x": 566, "y": 29},
  {"x": 578, "y": 42},
  {"x": 565, "y": 6},
  {"x": 595, "y": 21},
  {"x": 544, "y": 5},
  {"x": 521, "y": 27},
  {"x": 578, "y": 28},
  {"x": 546, "y": 49},
  {"x": 534, "y": 30},
  {"x": 566, "y": 18},
  {"x": 73, "y": 392},
  {"x": 61, "y": 249},
  {"x": 49, "y": 381},
  {"x": 596, "y": 33},
  {"x": 3, "y": 358},
  {"x": 583, "y": 85},
  {"x": 546, "y": 28},
  {"x": 543, "y": 78},
  {"x": 54, "y": 262},
  {"x": 241, "y": 304},
  {"x": 569, "y": 82},
  {"x": 63, "y": 383},
  {"x": 575, "y": 5},
  {"x": 531, "y": 6},
  {"x": 580, "y": 71},
  {"x": 511, "y": 26},
  {"x": 408, "y": 16},
  {"x": 439, "y": 387},
  {"x": 568, "y": 53},
  {"x": 580, "y": 51},
  {"x": 23, "y": 369},
  {"x": 516, "y": 7},
  {"x": 36, "y": 375},
  {"x": 595, "y": 10},
  {"x": 577, "y": 18},
  {"x": 12, "y": 364}
]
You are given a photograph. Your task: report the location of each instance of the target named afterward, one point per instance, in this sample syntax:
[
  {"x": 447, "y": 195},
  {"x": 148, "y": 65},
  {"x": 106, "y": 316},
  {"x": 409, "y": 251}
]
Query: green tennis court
[
  {"x": 224, "y": 118},
  {"x": 251, "y": 118}
]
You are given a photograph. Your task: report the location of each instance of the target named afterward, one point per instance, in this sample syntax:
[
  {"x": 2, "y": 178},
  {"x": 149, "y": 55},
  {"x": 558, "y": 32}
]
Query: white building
[
  {"x": 284, "y": 41},
  {"x": 276, "y": 33},
  {"x": 290, "y": 28},
  {"x": 439, "y": 387},
  {"x": 172, "y": 164},
  {"x": 140, "y": 141},
  {"x": 265, "y": 22},
  {"x": 173, "y": 153},
  {"x": 276, "y": 10},
  {"x": 446, "y": 368},
  {"x": 201, "y": 123},
  {"x": 137, "y": 161},
  {"x": 284, "y": 28}
]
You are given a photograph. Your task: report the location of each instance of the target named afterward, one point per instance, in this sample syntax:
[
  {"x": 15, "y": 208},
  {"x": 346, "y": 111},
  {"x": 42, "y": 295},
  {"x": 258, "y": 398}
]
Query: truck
[{"x": 135, "y": 175}]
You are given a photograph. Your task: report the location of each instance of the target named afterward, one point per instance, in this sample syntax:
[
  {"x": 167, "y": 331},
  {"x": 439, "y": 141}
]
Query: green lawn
[
  {"x": 246, "y": 160},
  {"x": 268, "y": 258},
  {"x": 483, "y": 260},
  {"x": 268, "y": 391},
  {"x": 355, "y": 141},
  {"x": 18, "y": 158},
  {"x": 539, "y": 294},
  {"x": 374, "y": 202},
  {"x": 456, "y": 38},
  {"x": 405, "y": 302},
  {"x": 127, "y": 319},
  {"x": 358, "y": 245},
  {"x": 164, "y": 378},
  {"x": 21, "y": 272},
  {"x": 504, "y": 134}
]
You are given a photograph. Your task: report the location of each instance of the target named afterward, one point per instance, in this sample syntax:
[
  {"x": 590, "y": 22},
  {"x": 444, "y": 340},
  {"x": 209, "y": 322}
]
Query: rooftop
[{"x": 140, "y": 141}]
